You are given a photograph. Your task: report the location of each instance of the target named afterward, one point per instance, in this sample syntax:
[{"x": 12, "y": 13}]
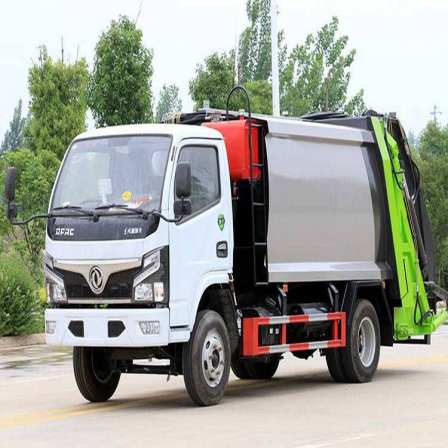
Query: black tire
[
  {"x": 239, "y": 367},
  {"x": 209, "y": 331},
  {"x": 95, "y": 375},
  {"x": 248, "y": 369},
  {"x": 334, "y": 364},
  {"x": 356, "y": 363}
]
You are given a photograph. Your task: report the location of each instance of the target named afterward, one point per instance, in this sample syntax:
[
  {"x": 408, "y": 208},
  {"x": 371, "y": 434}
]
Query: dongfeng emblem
[
  {"x": 96, "y": 280},
  {"x": 221, "y": 222}
]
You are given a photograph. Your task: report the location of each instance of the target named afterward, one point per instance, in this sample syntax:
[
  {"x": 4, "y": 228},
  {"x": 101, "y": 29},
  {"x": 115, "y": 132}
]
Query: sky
[{"x": 401, "y": 61}]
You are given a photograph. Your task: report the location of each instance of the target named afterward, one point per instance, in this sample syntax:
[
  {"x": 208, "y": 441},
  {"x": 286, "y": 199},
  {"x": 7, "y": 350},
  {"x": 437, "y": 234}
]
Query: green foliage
[
  {"x": 169, "y": 102},
  {"x": 314, "y": 77},
  {"x": 120, "y": 86},
  {"x": 214, "y": 80},
  {"x": 433, "y": 140},
  {"x": 254, "y": 53},
  {"x": 58, "y": 104},
  {"x": 433, "y": 151},
  {"x": 260, "y": 93},
  {"x": 14, "y": 135},
  {"x": 317, "y": 75},
  {"x": 20, "y": 309},
  {"x": 35, "y": 176}
]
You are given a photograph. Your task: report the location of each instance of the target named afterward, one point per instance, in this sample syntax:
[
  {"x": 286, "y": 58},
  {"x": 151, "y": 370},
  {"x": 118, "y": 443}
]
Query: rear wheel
[
  {"x": 206, "y": 359},
  {"x": 334, "y": 364},
  {"x": 251, "y": 369},
  {"x": 95, "y": 374},
  {"x": 358, "y": 361}
]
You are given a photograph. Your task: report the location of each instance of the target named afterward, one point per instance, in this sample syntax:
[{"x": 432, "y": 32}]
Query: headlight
[
  {"x": 144, "y": 291},
  {"x": 151, "y": 284},
  {"x": 54, "y": 286}
]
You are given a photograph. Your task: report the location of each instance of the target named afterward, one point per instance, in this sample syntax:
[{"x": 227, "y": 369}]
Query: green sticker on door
[{"x": 221, "y": 221}]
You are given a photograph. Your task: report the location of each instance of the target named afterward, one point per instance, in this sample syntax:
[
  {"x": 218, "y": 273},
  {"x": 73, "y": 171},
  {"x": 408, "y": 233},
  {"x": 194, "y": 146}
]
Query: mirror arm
[
  {"x": 175, "y": 220},
  {"x": 27, "y": 221}
]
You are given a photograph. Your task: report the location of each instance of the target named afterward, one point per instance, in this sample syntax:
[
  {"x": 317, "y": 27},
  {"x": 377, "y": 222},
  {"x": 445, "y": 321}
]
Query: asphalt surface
[{"x": 405, "y": 406}]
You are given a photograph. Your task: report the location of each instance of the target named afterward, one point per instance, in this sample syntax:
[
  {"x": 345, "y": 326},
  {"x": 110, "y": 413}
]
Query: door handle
[{"x": 222, "y": 249}]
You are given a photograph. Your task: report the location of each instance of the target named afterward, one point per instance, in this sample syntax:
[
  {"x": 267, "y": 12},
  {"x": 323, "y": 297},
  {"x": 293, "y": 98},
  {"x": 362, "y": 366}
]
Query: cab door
[{"x": 201, "y": 244}]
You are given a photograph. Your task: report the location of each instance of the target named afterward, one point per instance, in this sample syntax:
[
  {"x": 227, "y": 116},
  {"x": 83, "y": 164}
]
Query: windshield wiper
[
  {"x": 135, "y": 211},
  {"x": 111, "y": 205},
  {"x": 75, "y": 208}
]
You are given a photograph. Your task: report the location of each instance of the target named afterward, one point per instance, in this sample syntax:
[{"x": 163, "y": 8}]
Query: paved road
[{"x": 406, "y": 406}]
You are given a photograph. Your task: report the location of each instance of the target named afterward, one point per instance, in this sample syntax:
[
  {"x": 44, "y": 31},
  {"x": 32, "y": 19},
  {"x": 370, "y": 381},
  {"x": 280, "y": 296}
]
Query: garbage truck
[{"x": 222, "y": 241}]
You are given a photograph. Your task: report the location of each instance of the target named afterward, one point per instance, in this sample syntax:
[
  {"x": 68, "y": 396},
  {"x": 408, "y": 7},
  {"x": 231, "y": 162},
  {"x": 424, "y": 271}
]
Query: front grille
[{"x": 119, "y": 285}]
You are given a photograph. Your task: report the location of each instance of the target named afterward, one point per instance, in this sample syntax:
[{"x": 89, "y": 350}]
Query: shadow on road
[{"x": 247, "y": 389}]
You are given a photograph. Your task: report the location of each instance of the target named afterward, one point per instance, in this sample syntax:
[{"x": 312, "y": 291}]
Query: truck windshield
[{"x": 126, "y": 171}]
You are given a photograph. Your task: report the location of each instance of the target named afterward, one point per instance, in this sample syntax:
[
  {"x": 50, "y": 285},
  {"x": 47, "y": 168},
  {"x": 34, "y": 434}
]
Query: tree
[
  {"x": 214, "y": 80},
  {"x": 169, "y": 102},
  {"x": 433, "y": 141},
  {"x": 260, "y": 93},
  {"x": 314, "y": 77},
  {"x": 58, "y": 103},
  {"x": 255, "y": 63},
  {"x": 433, "y": 152},
  {"x": 317, "y": 75},
  {"x": 36, "y": 172},
  {"x": 14, "y": 135},
  {"x": 120, "y": 86}
]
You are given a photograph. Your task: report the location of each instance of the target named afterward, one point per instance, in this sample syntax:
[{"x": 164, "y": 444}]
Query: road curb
[{"x": 21, "y": 341}]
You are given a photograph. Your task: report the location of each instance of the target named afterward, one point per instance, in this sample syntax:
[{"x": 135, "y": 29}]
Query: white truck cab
[{"x": 150, "y": 272}]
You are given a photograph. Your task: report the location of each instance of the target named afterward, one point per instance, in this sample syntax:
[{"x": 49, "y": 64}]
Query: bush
[
  {"x": 36, "y": 173},
  {"x": 20, "y": 308}
]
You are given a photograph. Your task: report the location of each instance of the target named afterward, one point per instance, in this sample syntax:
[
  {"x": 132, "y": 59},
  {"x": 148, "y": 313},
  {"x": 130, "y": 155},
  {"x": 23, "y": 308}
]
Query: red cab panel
[{"x": 236, "y": 138}]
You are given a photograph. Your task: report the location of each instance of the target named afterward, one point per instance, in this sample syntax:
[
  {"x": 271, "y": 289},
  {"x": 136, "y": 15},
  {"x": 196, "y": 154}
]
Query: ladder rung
[
  {"x": 260, "y": 244},
  {"x": 261, "y": 283},
  {"x": 258, "y": 165},
  {"x": 259, "y": 204}
]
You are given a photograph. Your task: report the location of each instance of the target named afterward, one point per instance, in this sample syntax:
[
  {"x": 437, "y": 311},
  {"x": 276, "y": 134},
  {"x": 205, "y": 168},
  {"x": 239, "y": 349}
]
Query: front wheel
[
  {"x": 358, "y": 361},
  {"x": 206, "y": 359},
  {"x": 95, "y": 374}
]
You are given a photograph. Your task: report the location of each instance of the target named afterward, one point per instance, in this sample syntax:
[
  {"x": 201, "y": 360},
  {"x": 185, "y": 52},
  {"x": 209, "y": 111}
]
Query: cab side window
[{"x": 204, "y": 163}]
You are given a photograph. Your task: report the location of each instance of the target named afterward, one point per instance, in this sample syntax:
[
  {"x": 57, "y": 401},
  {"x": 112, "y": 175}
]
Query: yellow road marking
[
  {"x": 75, "y": 411},
  {"x": 91, "y": 408}
]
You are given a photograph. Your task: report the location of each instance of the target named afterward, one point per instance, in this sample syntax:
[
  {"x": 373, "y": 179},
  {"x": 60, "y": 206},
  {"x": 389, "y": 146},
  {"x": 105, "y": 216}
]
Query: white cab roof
[{"x": 178, "y": 131}]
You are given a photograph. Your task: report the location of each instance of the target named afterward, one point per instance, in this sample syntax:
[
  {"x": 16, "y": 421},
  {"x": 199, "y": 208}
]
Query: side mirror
[
  {"x": 182, "y": 207},
  {"x": 182, "y": 185},
  {"x": 10, "y": 184},
  {"x": 10, "y": 193},
  {"x": 182, "y": 181}
]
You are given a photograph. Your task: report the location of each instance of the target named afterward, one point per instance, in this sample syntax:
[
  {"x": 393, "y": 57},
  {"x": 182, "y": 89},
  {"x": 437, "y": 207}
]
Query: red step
[{"x": 251, "y": 327}]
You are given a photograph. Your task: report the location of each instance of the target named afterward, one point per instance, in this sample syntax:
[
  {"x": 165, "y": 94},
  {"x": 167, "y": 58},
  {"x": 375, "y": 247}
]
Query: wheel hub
[
  {"x": 366, "y": 342},
  {"x": 213, "y": 358}
]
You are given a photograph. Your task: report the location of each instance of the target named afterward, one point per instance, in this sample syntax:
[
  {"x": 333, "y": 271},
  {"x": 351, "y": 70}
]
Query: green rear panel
[{"x": 414, "y": 317}]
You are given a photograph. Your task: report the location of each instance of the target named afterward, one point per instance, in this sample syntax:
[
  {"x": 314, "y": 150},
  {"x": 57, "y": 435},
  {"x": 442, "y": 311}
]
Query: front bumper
[{"x": 102, "y": 328}]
